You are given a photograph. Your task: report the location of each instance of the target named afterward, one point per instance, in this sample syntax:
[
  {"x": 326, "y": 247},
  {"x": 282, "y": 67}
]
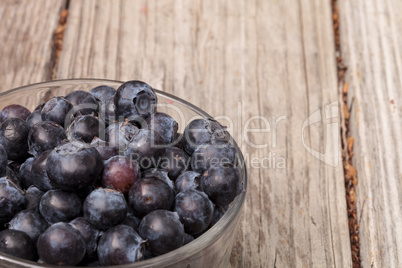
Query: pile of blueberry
[{"x": 103, "y": 178}]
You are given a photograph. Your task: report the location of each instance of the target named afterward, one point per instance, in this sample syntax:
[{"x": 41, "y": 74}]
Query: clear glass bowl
[{"x": 212, "y": 249}]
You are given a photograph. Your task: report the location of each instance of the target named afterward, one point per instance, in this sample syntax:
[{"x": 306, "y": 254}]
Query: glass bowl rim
[{"x": 200, "y": 243}]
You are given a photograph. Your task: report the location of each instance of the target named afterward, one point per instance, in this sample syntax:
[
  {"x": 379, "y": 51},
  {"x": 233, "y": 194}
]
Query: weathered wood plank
[
  {"x": 26, "y": 40},
  {"x": 273, "y": 59},
  {"x": 371, "y": 37}
]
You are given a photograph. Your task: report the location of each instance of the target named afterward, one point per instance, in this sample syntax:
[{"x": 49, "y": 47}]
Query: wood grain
[
  {"x": 371, "y": 36},
  {"x": 26, "y": 40},
  {"x": 239, "y": 59}
]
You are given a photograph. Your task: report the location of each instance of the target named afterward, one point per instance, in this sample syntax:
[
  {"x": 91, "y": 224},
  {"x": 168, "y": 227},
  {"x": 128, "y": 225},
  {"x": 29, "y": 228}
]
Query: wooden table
[{"x": 270, "y": 65}]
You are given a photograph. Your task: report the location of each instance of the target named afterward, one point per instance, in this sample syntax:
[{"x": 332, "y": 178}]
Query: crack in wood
[
  {"x": 57, "y": 42},
  {"x": 347, "y": 144}
]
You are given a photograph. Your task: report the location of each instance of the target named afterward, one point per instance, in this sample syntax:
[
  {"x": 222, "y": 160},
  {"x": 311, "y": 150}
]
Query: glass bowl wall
[{"x": 212, "y": 249}]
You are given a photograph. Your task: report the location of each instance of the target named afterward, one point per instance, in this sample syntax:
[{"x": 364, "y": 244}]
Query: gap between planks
[
  {"x": 57, "y": 42},
  {"x": 347, "y": 143}
]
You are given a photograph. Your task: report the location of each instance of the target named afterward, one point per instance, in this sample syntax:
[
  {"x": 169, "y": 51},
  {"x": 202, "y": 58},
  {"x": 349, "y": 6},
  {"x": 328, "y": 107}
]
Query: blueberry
[
  {"x": 179, "y": 141},
  {"x": 33, "y": 196},
  {"x": 218, "y": 214},
  {"x": 14, "y": 136},
  {"x": 86, "y": 128},
  {"x": 14, "y": 166},
  {"x": 188, "y": 180},
  {"x": 131, "y": 219},
  {"x": 90, "y": 234},
  {"x": 201, "y": 131},
  {"x": 3, "y": 161},
  {"x": 160, "y": 174},
  {"x": 45, "y": 136},
  {"x": 105, "y": 208},
  {"x": 207, "y": 155},
  {"x": 194, "y": 209},
  {"x": 60, "y": 206},
  {"x": 83, "y": 103},
  {"x": 34, "y": 118},
  {"x": 103, "y": 92},
  {"x": 135, "y": 100},
  {"x": 163, "y": 231},
  {"x": 120, "y": 245},
  {"x": 73, "y": 166},
  {"x": 149, "y": 194},
  {"x": 38, "y": 172},
  {"x": 84, "y": 192},
  {"x": 164, "y": 124},
  {"x": 105, "y": 95},
  {"x": 148, "y": 254},
  {"x": 188, "y": 238},
  {"x": 14, "y": 111},
  {"x": 174, "y": 161},
  {"x": 120, "y": 173},
  {"x": 12, "y": 200},
  {"x": 17, "y": 244},
  {"x": 108, "y": 111},
  {"x": 104, "y": 149},
  {"x": 222, "y": 184},
  {"x": 120, "y": 134},
  {"x": 13, "y": 177},
  {"x": 61, "y": 244},
  {"x": 57, "y": 109},
  {"x": 25, "y": 174},
  {"x": 147, "y": 148},
  {"x": 29, "y": 222},
  {"x": 39, "y": 107}
]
